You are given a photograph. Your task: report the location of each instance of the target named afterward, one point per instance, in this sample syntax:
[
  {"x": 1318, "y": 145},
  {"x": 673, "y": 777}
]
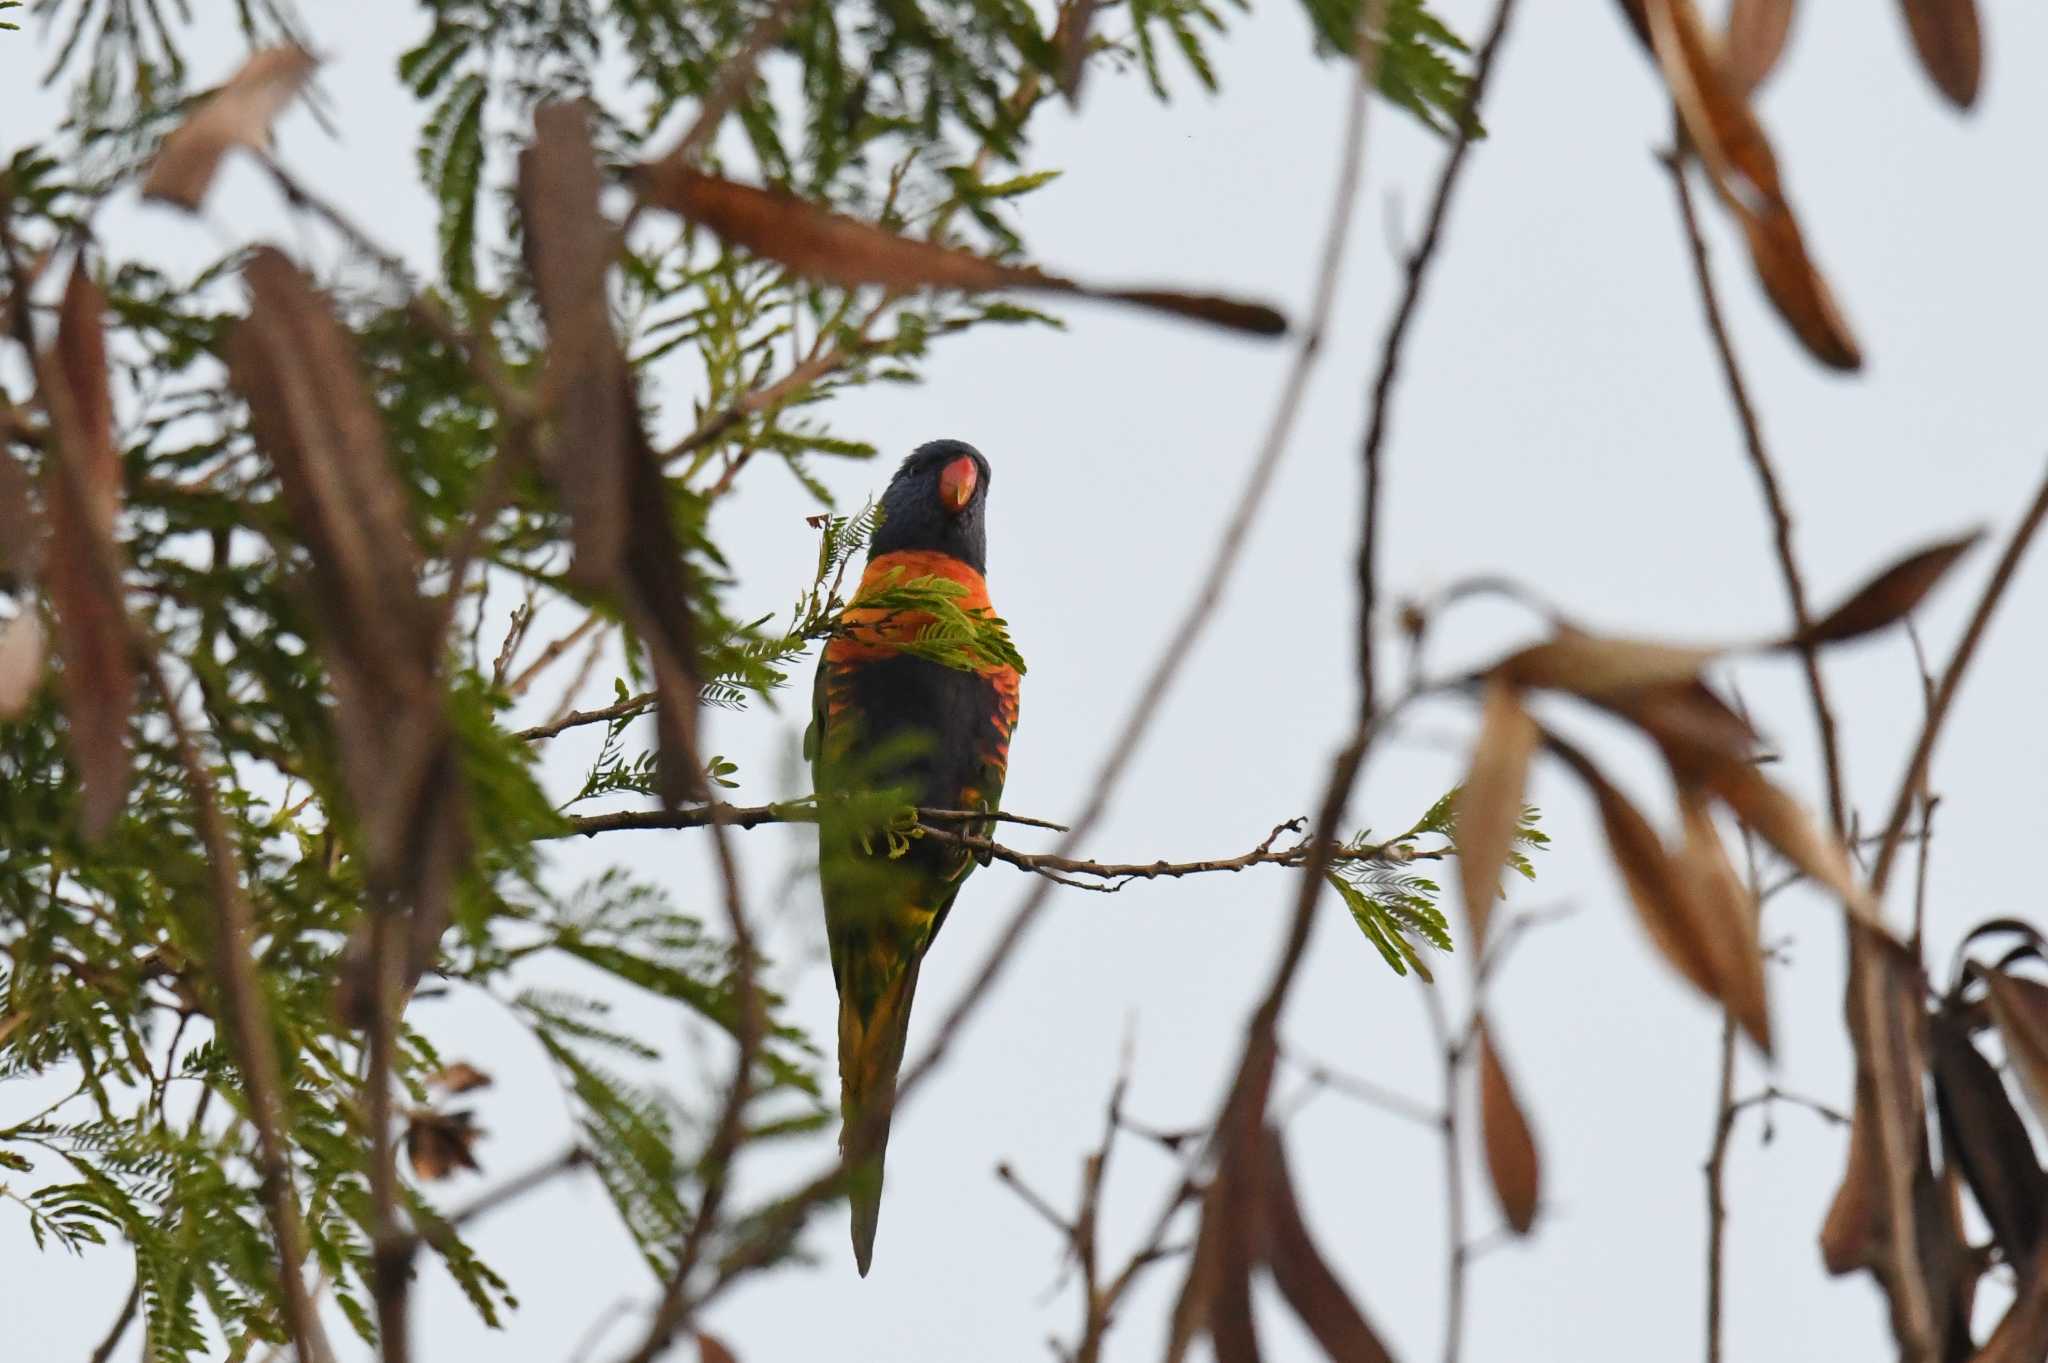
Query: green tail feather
[{"x": 870, "y": 1054}]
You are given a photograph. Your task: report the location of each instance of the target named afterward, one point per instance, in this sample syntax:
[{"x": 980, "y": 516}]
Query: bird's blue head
[{"x": 937, "y": 501}]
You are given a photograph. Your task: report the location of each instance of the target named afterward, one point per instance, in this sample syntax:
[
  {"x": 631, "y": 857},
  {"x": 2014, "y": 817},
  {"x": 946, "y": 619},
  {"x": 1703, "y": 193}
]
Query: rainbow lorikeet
[{"x": 934, "y": 735}]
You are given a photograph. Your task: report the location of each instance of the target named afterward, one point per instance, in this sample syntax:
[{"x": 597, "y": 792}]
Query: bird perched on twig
[{"x": 935, "y": 734}]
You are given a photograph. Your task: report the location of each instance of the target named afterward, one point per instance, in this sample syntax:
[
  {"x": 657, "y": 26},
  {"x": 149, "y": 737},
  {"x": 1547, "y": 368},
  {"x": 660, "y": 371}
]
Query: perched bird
[{"x": 933, "y": 735}]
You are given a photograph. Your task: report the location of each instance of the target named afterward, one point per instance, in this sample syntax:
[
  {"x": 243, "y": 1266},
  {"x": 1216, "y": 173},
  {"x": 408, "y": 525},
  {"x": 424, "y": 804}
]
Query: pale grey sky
[{"x": 1560, "y": 420}]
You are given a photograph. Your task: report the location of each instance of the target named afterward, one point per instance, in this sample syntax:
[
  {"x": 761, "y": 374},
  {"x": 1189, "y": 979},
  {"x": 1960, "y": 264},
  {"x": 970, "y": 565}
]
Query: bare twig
[
  {"x": 1458, "y": 1253},
  {"x": 1364, "y": 1090},
  {"x": 1767, "y": 480},
  {"x": 531, "y": 673},
  {"x": 1344, "y": 770},
  {"x": 112, "y": 1340},
  {"x": 1951, "y": 680},
  {"x": 1077, "y": 873},
  {"x": 632, "y": 705}
]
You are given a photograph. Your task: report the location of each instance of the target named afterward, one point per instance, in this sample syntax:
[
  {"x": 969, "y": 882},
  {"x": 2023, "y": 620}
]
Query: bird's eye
[{"x": 956, "y": 484}]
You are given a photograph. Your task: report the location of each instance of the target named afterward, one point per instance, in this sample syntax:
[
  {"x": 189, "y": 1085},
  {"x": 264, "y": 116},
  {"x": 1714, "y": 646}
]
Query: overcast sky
[{"x": 1560, "y": 420}]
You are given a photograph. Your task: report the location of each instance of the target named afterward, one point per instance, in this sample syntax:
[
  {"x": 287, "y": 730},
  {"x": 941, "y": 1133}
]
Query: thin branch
[
  {"x": 1458, "y": 1254},
  {"x": 1104, "y": 877},
  {"x": 512, "y": 401},
  {"x": 247, "y": 1022},
  {"x": 531, "y": 673},
  {"x": 732, "y": 81},
  {"x": 632, "y": 705},
  {"x": 1716, "y": 1170},
  {"x": 1364, "y": 1090},
  {"x": 112, "y": 1339},
  {"x": 1951, "y": 680},
  {"x": 1344, "y": 770},
  {"x": 1767, "y": 480}
]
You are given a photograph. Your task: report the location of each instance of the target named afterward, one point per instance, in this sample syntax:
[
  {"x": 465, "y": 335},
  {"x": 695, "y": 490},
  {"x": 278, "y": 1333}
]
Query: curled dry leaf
[
  {"x": 21, "y": 660},
  {"x": 1757, "y": 30},
  {"x": 840, "y": 250},
  {"x": 238, "y": 114},
  {"x": 1714, "y": 108},
  {"x": 439, "y": 1143},
  {"x": 1728, "y": 926},
  {"x": 1782, "y": 822},
  {"x": 1950, "y": 42},
  {"x": 82, "y": 498},
  {"x": 1887, "y": 1215},
  {"x": 1490, "y": 803},
  {"x": 1303, "y": 1276},
  {"x": 1982, "y": 1134},
  {"x": 1848, "y": 1237},
  {"x": 1511, "y": 1160},
  {"x": 1890, "y": 596},
  {"x": 2020, "y": 1007},
  {"x": 1671, "y": 896},
  {"x": 459, "y": 1077}
]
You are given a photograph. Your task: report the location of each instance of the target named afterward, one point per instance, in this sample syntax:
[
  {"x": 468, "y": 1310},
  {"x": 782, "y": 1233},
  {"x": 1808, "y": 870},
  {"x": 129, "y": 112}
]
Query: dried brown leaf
[
  {"x": 1215, "y": 1297},
  {"x": 21, "y": 661},
  {"x": 1782, "y": 822},
  {"x": 1070, "y": 40},
  {"x": 1603, "y": 669},
  {"x": 569, "y": 249},
  {"x": 1661, "y": 895},
  {"x": 711, "y": 1349},
  {"x": 1511, "y": 1160},
  {"x": 819, "y": 244},
  {"x": 1638, "y": 16},
  {"x": 660, "y": 590},
  {"x": 82, "y": 359},
  {"x": 2020, "y": 1007},
  {"x": 1797, "y": 289},
  {"x": 1727, "y": 921},
  {"x": 238, "y": 114},
  {"x": 21, "y": 533},
  {"x": 1981, "y": 1133},
  {"x": 1888, "y": 1215},
  {"x": 1490, "y": 803},
  {"x": 439, "y": 1143},
  {"x": 1849, "y": 1235},
  {"x": 82, "y": 497},
  {"x": 1950, "y": 42},
  {"x": 1714, "y": 109},
  {"x": 1305, "y": 1279},
  {"x": 1890, "y": 596},
  {"x": 1716, "y": 115},
  {"x": 459, "y": 1077},
  {"x": 311, "y": 413},
  {"x": 1757, "y": 30}
]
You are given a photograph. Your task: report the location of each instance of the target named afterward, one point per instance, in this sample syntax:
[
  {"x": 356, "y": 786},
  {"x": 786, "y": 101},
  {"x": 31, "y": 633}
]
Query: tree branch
[
  {"x": 1951, "y": 680},
  {"x": 1767, "y": 480}
]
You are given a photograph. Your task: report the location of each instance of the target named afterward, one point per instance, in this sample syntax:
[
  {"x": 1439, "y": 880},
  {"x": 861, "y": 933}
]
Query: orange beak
[{"x": 956, "y": 484}]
